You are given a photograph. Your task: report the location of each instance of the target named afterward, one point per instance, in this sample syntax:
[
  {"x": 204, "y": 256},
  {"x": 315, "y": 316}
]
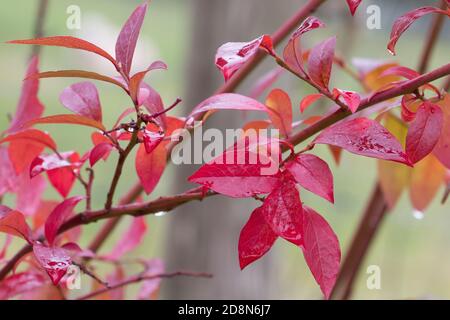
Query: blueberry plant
[{"x": 399, "y": 117}]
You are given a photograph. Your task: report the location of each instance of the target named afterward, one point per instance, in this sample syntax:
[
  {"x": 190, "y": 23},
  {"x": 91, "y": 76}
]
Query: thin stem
[
  {"x": 39, "y": 25},
  {"x": 143, "y": 277},
  {"x": 89, "y": 189}
]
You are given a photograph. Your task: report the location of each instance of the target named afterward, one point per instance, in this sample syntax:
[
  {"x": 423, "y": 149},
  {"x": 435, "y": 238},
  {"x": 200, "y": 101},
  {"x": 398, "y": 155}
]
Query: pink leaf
[
  {"x": 154, "y": 104},
  {"x": 442, "y": 149},
  {"x": 308, "y": 100},
  {"x": 126, "y": 42},
  {"x": 292, "y": 53},
  {"x": 100, "y": 151},
  {"x": 136, "y": 80},
  {"x": 280, "y": 107},
  {"x": 424, "y": 131},
  {"x": 20, "y": 283},
  {"x": 313, "y": 174},
  {"x": 29, "y": 106},
  {"x": 130, "y": 239},
  {"x": 32, "y": 135},
  {"x": 351, "y": 98},
  {"x": 365, "y": 137},
  {"x": 13, "y": 222},
  {"x": 150, "y": 287},
  {"x": 82, "y": 98},
  {"x": 151, "y": 140},
  {"x": 256, "y": 239},
  {"x": 29, "y": 193},
  {"x": 282, "y": 210},
  {"x": 150, "y": 166},
  {"x": 232, "y": 55},
  {"x": 55, "y": 261},
  {"x": 353, "y": 5},
  {"x": 7, "y": 173},
  {"x": 228, "y": 101},
  {"x": 58, "y": 216},
  {"x": 400, "y": 71},
  {"x": 321, "y": 250},
  {"x": 239, "y": 166},
  {"x": 404, "y": 22},
  {"x": 320, "y": 62}
]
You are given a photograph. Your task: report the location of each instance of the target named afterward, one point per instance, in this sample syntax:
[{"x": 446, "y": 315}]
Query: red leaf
[
  {"x": 320, "y": 62},
  {"x": 69, "y": 119},
  {"x": 150, "y": 166},
  {"x": 29, "y": 193},
  {"x": 400, "y": 71},
  {"x": 351, "y": 98},
  {"x": 67, "y": 42},
  {"x": 292, "y": 53},
  {"x": 150, "y": 287},
  {"x": 308, "y": 100},
  {"x": 77, "y": 74},
  {"x": 228, "y": 101},
  {"x": 82, "y": 98},
  {"x": 7, "y": 173},
  {"x": 58, "y": 216},
  {"x": 100, "y": 151},
  {"x": 365, "y": 137},
  {"x": 404, "y": 22},
  {"x": 23, "y": 152},
  {"x": 136, "y": 80},
  {"x": 32, "y": 135},
  {"x": 313, "y": 174},
  {"x": 321, "y": 250},
  {"x": 13, "y": 222},
  {"x": 20, "y": 283},
  {"x": 353, "y": 5},
  {"x": 232, "y": 55},
  {"x": 424, "y": 131},
  {"x": 62, "y": 179},
  {"x": 282, "y": 210},
  {"x": 49, "y": 162},
  {"x": 154, "y": 104},
  {"x": 126, "y": 42},
  {"x": 442, "y": 149},
  {"x": 55, "y": 261},
  {"x": 280, "y": 113},
  {"x": 265, "y": 82},
  {"x": 256, "y": 239},
  {"x": 29, "y": 106},
  {"x": 151, "y": 140},
  {"x": 130, "y": 239},
  {"x": 239, "y": 166}
]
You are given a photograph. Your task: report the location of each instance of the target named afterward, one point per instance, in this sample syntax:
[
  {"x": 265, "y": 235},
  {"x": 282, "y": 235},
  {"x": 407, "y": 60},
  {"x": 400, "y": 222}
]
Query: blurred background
[{"x": 411, "y": 251}]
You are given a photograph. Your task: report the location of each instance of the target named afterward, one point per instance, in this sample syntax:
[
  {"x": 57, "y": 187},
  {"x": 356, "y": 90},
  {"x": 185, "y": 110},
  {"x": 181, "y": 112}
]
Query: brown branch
[{"x": 141, "y": 277}]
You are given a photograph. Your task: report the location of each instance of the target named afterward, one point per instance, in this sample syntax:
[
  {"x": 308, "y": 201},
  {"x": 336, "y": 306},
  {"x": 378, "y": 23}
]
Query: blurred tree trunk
[{"x": 204, "y": 236}]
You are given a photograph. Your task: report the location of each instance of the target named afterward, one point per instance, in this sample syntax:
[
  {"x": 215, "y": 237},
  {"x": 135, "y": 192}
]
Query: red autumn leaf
[
  {"x": 292, "y": 53},
  {"x": 130, "y": 239},
  {"x": 29, "y": 106},
  {"x": 154, "y": 104},
  {"x": 353, "y": 5},
  {"x": 321, "y": 250},
  {"x": 424, "y": 131},
  {"x": 255, "y": 239},
  {"x": 82, "y": 98},
  {"x": 228, "y": 101},
  {"x": 265, "y": 82},
  {"x": 407, "y": 113},
  {"x": 55, "y": 261},
  {"x": 23, "y": 152},
  {"x": 67, "y": 42},
  {"x": 77, "y": 74},
  {"x": 280, "y": 107},
  {"x": 126, "y": 42},
  {"x": 400, "y": 71},
  {"x": 442, "y": 149},
  {"x": 13, "y": 222},
  {"x": 49, "y": 162},
  {"x": 241, "y": 166},
  {"x": 402, "y": 23},
  {"x": 32, "y": 135},
  {"x": 365, "y": 137},
  {"x": 232, "y": 55},
  {"x": 151, "y": 140},
  {"x": 149, "y": 288},
  {"x": 313, "y": 174},
  {"x": 58, "y": 216},
  {"x": 320, "y": 62},
  {"x": 28, "y": 193},
  {"x": 308, "y": 100},
  {"x": 69, "y": 119},
  {"x": 351, "y": 98},
  {"x": 283, "y": 211},
  {"x": 136, "y": 80},
  {"x": 150, "y": 166},
  {"x": 7, "y": 172},
  {"x": 20, "y": 283},
  {"x": 62, "y": 179},
  {"x": 100, "y": 151}
]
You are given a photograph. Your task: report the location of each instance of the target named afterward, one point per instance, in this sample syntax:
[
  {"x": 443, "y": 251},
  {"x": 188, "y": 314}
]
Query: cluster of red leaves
[{"x": 421, "y": 138}]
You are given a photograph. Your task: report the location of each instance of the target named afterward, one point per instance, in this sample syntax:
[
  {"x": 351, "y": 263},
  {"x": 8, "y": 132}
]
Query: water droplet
[
  {"x": 160, "y": 214},
  {"x": 418, "y": 214}
]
